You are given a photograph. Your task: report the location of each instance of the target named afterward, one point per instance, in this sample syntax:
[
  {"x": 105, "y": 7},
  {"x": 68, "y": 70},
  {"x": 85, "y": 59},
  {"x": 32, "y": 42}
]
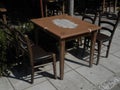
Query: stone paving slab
[
  {"x": 42, "y": 86},
  {"x": 111, "y": 63},
  {"x": 96, "y": 74},
  {"x": 20, "y": 84},
  {"x": 20, "y": 80},
  {"x": 75, "y": 62},
  {"x": 114, "y": 48},
  {"x": 5, "y": 84},
  {"x": 117, "y": 54},
  {"x": 73, "y": 81}
]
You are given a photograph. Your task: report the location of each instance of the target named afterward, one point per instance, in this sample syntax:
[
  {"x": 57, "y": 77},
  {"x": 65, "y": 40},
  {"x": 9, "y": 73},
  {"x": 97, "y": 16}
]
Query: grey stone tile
[
  {"x": 116, "y": 41},
  {"x": 117, "y": 54},
  {"x": 73, "y": 81},
  {"x": 4, "y": 84},
  {"x": 66, "y": 69},
  {"x": 117, "y": 34},
  {"x": 112, "y": 63},
  {"x": 42, "y": 86},
  {"x": 74, "y": 62},
  {"x": 114, "y": 48},
  {"x": 23, "y": 82},
  {"x": 96, "y": 74},
  {"x": 20, "y": 84}
]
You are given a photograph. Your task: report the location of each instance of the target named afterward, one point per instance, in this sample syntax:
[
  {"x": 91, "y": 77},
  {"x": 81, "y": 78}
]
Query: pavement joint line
[
  {"x": 52, "y": 83},
  {"x": 86, "y": 79},
  {"x": 115, "y": 55},
  {"x": 33, "y": 85},
  {"x": 107, "y": 68},
  {"x": 71, "y": 67},
  {"x": 82, "y": 75},
  {"x": 11, "y": 83}
]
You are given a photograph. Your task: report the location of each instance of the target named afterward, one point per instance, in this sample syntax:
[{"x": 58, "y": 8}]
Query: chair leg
[
  {"x": 99, "y": 51},
  {"x": 54, "y": 65},
  {"x": 32, "y": 75},
  {"x": 86, "y": 43},
  {"x": 84, "y": 47},
  {"x": 79, "y": 41},
  {"x": 108, "y": 49}
]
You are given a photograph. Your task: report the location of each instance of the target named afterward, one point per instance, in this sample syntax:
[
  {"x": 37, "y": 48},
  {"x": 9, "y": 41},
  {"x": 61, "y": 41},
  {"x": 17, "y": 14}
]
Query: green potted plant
[
  {"x": 25, "y": 27},
  {"x": 3, "y": 47}
]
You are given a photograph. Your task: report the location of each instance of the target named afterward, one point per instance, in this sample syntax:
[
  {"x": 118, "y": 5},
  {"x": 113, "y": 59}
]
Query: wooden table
[{"x": 63, "y": 34}]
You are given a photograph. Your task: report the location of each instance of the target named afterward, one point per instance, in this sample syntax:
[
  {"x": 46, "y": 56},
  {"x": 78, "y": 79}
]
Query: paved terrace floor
[{"x": 78, "y": 76}]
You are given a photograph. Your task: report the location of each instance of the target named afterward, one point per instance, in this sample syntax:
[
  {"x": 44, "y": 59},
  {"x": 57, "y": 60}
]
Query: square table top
[{"x": 65, "y": 26}]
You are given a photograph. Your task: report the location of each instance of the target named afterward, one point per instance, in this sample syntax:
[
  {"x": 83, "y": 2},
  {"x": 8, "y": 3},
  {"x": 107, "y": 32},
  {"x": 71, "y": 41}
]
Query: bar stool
[{"x": 3, "y": 14}]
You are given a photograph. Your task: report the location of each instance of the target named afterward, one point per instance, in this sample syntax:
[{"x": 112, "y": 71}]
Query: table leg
[
  {"x": 62, "y": 55},
  {"x": 93, "y": 41}
]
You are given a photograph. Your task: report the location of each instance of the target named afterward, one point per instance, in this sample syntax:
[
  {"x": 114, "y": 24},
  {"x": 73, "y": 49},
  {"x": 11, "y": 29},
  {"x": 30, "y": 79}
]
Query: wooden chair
[
  {"x": 109, "y": 5},
  {"x": 108, "y": 26},
  {"x": 108, "y": 23},
  {"x": 54, "y": 7},
  {"x": 37, "y": 56},
  {"x": 89, "y": 16}
]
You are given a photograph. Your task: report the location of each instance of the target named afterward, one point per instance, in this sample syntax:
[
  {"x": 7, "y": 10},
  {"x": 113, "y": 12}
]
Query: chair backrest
[
  {"x": 108, "y": 23},
  {"x": 54, "y": 7},
  {"x": 25, "y": 45},
  {"x": 8, "y": 31},
  {"x": 90, "y": 16}
]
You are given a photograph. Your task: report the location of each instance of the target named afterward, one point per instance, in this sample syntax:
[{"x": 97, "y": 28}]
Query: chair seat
[
  {"x": 39, "y": 53},
  {"x": 102, "y": 37}
]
